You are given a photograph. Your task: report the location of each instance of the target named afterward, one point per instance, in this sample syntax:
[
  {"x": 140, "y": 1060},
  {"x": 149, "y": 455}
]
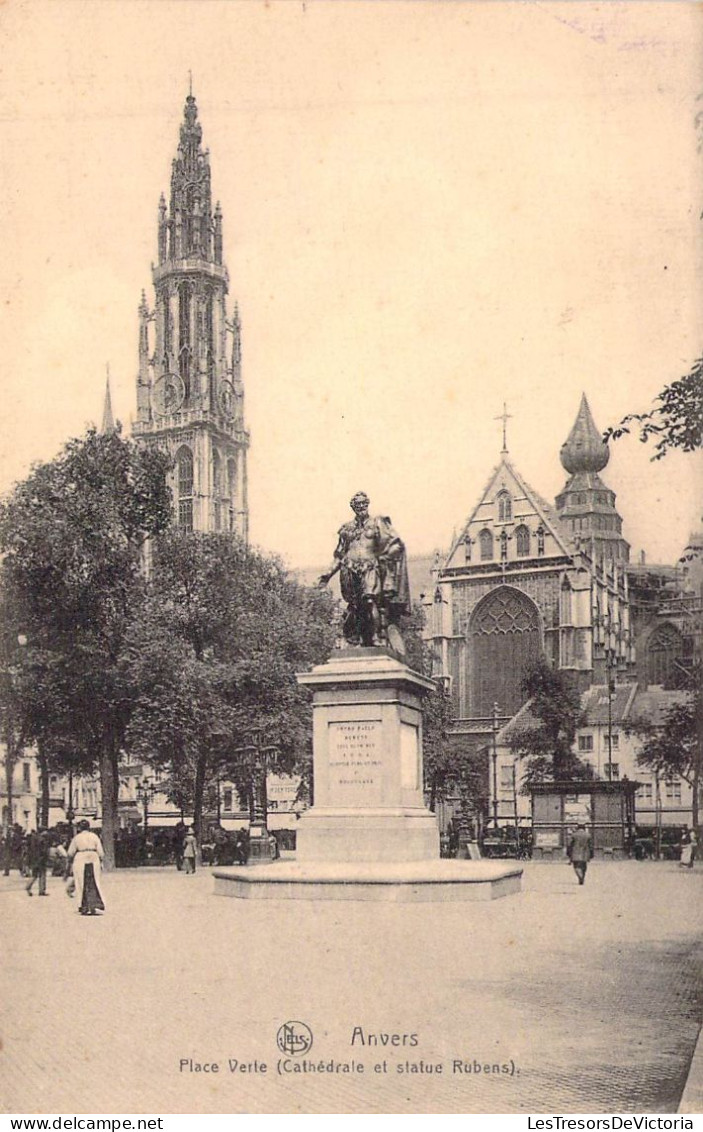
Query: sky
[{"x": 430, "y": 209}]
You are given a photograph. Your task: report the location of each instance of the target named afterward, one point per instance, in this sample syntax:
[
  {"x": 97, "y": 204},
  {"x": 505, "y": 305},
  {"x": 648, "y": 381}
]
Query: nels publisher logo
[{"x": 293, "y": 1038}]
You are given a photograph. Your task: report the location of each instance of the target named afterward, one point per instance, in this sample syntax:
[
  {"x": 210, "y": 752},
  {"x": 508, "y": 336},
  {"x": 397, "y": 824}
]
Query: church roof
[
  {"x": 594, "y": 704},
  {"x": 523, "y": 720},
  {"x": 544, "y": 511},
  {"x": 652, "y": 706}
]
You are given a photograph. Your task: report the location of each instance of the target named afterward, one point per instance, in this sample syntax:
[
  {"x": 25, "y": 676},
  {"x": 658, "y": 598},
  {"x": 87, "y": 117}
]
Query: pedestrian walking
[
  {"x": 179, "y": 839},
  {"x": 689, "y": 844},
  {"x": 86, "y": 854},
  {"x": 189, "y": 852},
  {"x": 38, "y": 846},
  {"x": 580, "y": 852},
  {"x": 241, "y": 847}
]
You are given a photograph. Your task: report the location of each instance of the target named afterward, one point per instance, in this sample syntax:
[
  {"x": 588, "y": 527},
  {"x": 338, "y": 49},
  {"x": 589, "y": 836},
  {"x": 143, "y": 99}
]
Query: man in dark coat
[
  {"x": 580, "y": 852},
  {"x": 179, "y": 840},
  {"x": 38, "y": 858}
]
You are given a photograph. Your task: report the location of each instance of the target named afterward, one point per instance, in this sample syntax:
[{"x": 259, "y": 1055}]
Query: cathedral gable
[{"x": 509, "y": 523}]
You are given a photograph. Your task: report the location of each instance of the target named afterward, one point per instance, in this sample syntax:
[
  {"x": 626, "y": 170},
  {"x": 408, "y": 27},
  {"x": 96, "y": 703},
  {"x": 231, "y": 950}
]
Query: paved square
[{"x": 594, "y": 995}]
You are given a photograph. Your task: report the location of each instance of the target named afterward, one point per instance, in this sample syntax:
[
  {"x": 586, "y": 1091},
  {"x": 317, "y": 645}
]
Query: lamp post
[
  {"x": 609, "y": 665},
  {"x": 70, "y": 812},
  {"x": 145, "y": 791},
  {"x": 495, "y": 765},
  {"x": 259, "y": 837}
]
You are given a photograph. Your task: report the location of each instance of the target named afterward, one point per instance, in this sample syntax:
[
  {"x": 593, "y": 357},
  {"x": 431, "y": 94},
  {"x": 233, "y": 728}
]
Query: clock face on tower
[
  {"x": 168, "y": 394},
  {"x": 227, "y": 398}
]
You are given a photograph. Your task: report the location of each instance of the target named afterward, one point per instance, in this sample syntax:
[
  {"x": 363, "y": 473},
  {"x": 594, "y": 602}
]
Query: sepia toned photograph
[{"x": 351, "y": 558}]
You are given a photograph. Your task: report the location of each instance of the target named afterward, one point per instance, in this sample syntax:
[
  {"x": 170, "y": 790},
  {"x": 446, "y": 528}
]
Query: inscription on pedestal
[{"x": 356, "y": 763}]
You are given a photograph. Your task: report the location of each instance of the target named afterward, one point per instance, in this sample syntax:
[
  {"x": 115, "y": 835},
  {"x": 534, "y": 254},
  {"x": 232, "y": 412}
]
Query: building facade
[
  {"x": 190, "y": 394},
  {"x": 525, "y": 579}
]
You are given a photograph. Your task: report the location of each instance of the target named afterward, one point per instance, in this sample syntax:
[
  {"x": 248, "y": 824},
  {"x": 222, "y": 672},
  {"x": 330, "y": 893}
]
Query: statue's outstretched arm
[{"x": 324, "y": 578}]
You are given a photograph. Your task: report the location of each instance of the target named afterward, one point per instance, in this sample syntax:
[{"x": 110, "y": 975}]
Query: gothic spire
[
  {"x": 108, "y": 426},
  {"x": 190, "y": 222},
  {"x": 584, "y": 449}
]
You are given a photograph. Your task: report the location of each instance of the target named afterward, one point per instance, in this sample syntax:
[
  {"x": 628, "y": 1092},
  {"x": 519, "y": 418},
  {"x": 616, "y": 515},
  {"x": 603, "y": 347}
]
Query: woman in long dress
[{"x": 86, "y": 854}]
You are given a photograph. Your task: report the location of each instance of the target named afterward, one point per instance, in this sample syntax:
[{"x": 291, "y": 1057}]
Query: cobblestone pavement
[{"x": 594, "y": 994}]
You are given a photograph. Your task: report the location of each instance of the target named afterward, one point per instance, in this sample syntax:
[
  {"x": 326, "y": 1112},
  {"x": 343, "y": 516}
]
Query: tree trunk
[
  {"x": 198, "y": 798},
  {"x": 44, "y": 773},
  {"x": 10, "y": 763},
  {"x": 108, "y": 792}
]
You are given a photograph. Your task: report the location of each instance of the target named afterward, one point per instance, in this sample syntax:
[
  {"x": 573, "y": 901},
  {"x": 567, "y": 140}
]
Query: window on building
[
  {"x": 505, "y": 507},
  {"x": 612, "y": 771},
  {"x": 231, "y": 490},
  {"x": 615, "y": 741},
  {"x": 585, "y": 742},
  {"x": 506, "y": 777},
  {"x": 645, "y": 792},
  {"x": 184, "y": 335},
  {"x": 522, "y": 541},
  {"x": 184, "y": 478},
  {"x": 673, "y": 790},
  {"x": 217, "y": 488},
  {"x": 467, "y": 548},
  {"x": 26, "y": 775},
  {"x": 664, "y": 655},
  {"x": 485, "y": 540},
  {"x": 227, "y": 799}
]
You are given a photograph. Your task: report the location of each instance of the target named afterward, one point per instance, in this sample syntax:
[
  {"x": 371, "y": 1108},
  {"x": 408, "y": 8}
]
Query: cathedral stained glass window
[
  {"x": 522, "y": 540},
  {"x": 485, "y": 542},
  {"x": 504, "y": 641},
  {"x": 505, "y": 507},
  {"x": 184, "y": 476}
]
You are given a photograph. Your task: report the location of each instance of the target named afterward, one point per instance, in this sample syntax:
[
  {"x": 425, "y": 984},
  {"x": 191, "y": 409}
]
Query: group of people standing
[{"x": 83, "y": 866}]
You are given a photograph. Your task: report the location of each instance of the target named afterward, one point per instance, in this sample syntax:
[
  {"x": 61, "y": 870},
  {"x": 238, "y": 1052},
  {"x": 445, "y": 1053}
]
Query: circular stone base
[{"x": 415, "y": 881}]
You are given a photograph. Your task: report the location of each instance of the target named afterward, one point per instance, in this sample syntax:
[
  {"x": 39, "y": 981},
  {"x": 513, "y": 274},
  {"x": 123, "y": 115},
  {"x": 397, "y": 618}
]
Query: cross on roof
[{"x": 505, "y": 416}]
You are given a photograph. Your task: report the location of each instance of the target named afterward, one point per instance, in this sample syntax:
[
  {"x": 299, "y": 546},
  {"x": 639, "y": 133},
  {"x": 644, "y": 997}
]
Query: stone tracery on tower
[{"x": 190, "y": 395}]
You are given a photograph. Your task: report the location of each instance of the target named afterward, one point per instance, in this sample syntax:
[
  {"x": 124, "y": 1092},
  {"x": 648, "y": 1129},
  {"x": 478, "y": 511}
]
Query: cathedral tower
[
  {"x": 586, "y": 507},
  {"x": 190, "y": 397}
]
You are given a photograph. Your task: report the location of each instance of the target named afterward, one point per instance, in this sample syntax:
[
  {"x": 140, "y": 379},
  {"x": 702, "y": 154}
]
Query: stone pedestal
[
  {"x": 367, "y": 751},
  {"x": 369, "y": 835}
]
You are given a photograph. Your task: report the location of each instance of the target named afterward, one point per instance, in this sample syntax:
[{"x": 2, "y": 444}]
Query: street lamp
[
  {"x": 495, "y": 764},
  {"x": 145, "y": 791},
  {"x": 70, "y": 812},
  {"x": 609, "y": 667},
  {"x": 259, "y": 837}
]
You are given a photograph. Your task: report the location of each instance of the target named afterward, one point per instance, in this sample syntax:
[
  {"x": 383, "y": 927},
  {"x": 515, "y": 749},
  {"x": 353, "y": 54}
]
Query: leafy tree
[
  {"x": 673, "y": 748},
  {"x": 676, "y": 419},
  {"x": 547, "y": 737},
  {"x": 72, "y": 535},
  {"x": 214, "y": 675}
]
